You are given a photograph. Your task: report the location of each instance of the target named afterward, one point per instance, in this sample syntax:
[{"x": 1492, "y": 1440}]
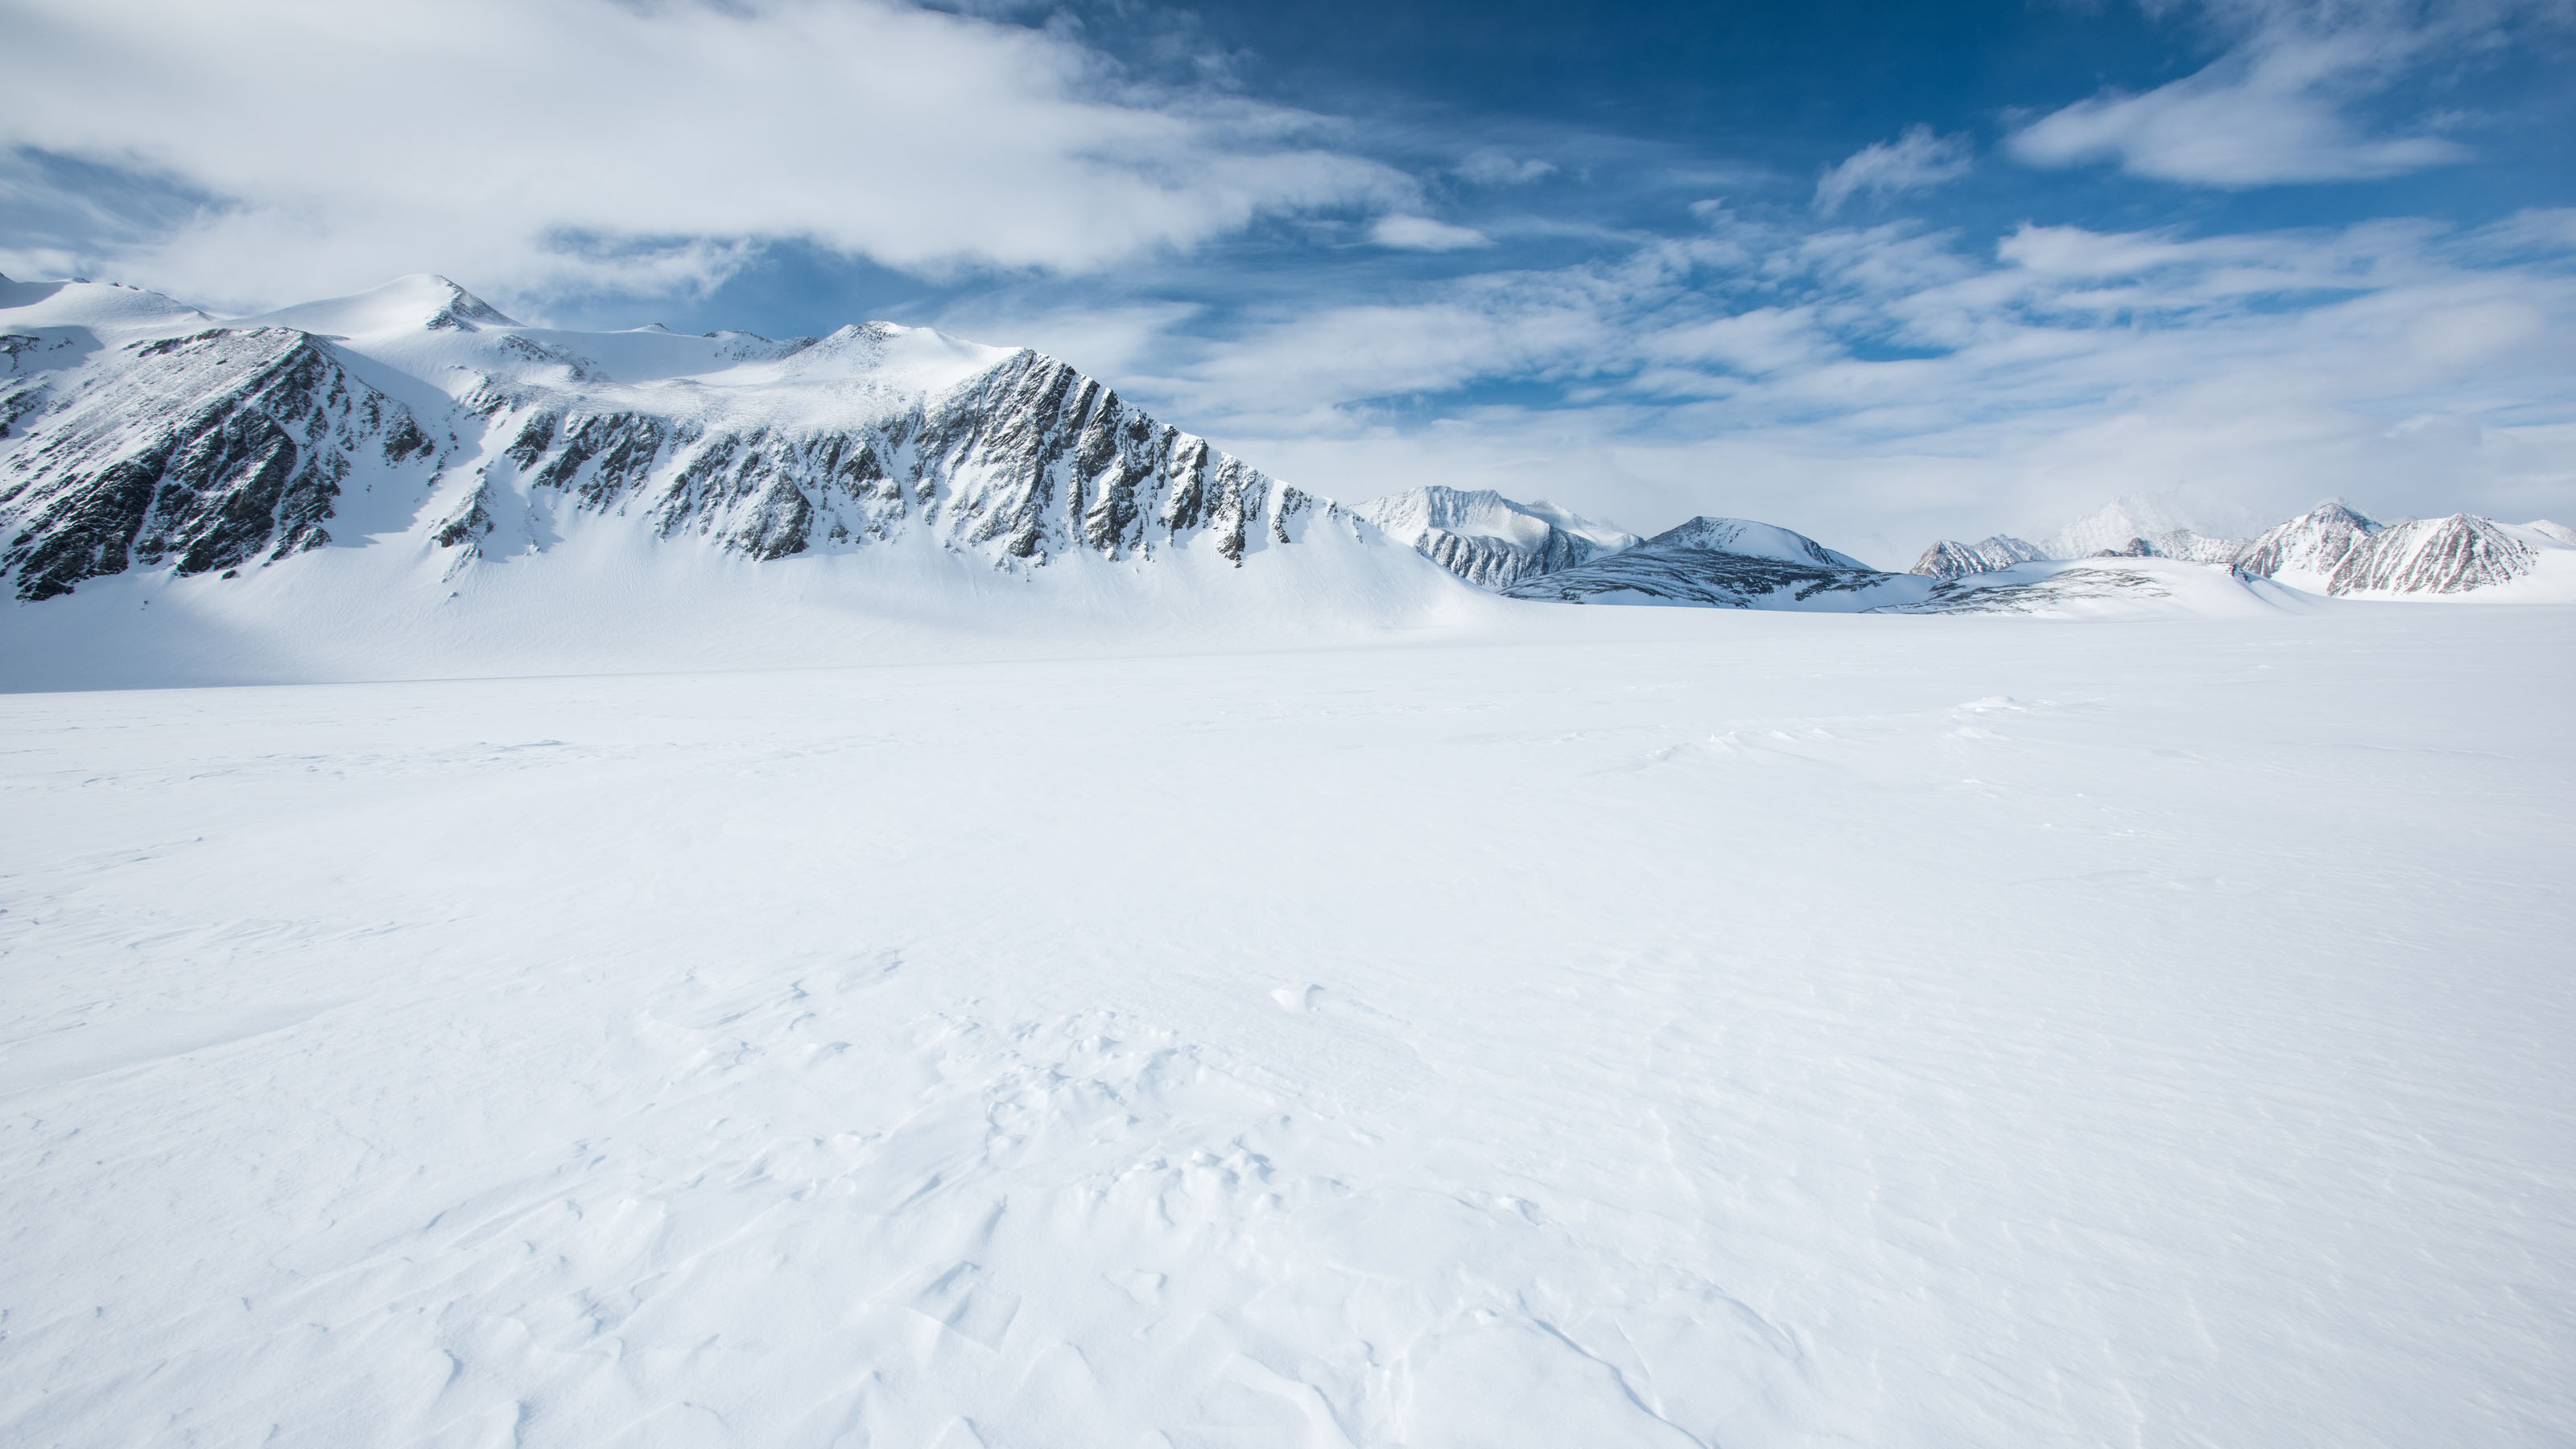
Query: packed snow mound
[
  {"x": 1948, "y": 559},
  {"x": 418, "y": 420},
  {"x": 113, "y": 311},
  {"x": 1490, "y": 540}
]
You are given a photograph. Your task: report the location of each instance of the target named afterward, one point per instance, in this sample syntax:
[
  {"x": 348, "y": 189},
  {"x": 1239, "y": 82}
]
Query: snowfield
[{"x": 1543, "y": 1026}]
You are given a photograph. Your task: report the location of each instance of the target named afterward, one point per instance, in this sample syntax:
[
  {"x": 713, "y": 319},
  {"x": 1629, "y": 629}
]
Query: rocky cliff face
[
  {"x": 202, "y": 452},
  {"x": 146, "y": 438},
  {"x": 1027, "y": 461}
]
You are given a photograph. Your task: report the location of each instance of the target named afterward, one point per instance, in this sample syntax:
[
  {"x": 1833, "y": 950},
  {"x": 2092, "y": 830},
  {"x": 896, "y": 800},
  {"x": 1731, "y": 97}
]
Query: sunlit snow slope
[{"x": 1628, "y": 1027}]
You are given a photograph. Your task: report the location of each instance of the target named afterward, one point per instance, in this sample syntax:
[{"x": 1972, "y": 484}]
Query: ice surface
[{"x": 1558, "y": 1027}]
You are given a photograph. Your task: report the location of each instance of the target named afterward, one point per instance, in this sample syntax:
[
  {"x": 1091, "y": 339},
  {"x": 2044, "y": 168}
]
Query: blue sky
[{"x": 1875, "y": 271}]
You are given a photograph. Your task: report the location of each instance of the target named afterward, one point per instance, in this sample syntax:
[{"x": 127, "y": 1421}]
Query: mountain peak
[
  {"x": 1487, "y": 539},
  {"x": 422, "y": 301},
  {"x": 2336, "y": 511},
  {"x": 1751, "y": 539}
]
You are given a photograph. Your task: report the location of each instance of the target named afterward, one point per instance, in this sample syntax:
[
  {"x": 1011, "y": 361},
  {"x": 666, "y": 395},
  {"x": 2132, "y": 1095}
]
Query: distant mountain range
[
  {"x": 142, "y": 437},
  {"x": 2331, "y": 549},
  {"x": 1524, "y": 551}
]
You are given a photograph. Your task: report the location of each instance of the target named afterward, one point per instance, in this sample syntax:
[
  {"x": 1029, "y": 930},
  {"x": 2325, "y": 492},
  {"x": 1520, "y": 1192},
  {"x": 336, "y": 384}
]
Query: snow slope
[
  {"x": 1596, "y": 1026},
  {"x": 1491, "y": 541}
]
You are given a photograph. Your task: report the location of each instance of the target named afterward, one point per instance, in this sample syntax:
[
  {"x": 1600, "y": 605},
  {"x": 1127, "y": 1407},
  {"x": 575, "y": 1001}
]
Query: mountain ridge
[
  {"x": 170, "y": 438},
  {"x": 2331, "y": 549}
]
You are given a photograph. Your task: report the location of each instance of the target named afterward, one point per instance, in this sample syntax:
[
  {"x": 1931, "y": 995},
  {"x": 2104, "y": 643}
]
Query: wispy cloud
[
  {"x": 1423, "y": 234},
  {"x": 2288, "y": 99},
  {"x": 1895, "y": 375},
  {"x": 1489, "y": 167},
  {"x": 1916, "y": 161},
  {"x": 593, "y": 144}
]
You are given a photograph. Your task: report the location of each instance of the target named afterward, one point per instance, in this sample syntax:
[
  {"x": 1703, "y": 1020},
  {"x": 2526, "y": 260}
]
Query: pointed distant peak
[
  {"x": 2335, "y": 510},
  {"x": 1751, "y": 538},
  {"x": 1710, "y": 531},
  {"x": 458, "y": 306},
  {"x": 891, "y": 355},
  {"x": 421, "y": 301}
]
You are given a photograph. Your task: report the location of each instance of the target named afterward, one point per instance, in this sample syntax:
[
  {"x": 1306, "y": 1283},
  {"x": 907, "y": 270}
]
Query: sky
[{"x": 1880, "y": 272}]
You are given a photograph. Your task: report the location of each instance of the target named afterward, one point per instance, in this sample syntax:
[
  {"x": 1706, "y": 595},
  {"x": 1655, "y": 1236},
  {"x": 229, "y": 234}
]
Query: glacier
[{"x": 1611, "y": 1026}]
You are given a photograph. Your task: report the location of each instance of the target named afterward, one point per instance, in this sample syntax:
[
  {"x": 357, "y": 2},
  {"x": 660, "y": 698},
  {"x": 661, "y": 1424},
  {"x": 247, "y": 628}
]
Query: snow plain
[{"x": 1562, "y": 1026}]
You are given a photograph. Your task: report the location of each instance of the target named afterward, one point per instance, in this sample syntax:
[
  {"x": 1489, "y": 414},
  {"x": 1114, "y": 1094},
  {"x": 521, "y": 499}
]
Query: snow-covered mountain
[
  {"x": 1952, "y": 560},
  {"x": 1491, "y": 541},
  {"x": 143, "y": 434},
  {"x": 2331, "y": 549},
  {"x": 2138, "y": 526},
  {"x": 1729, "y": 563}
]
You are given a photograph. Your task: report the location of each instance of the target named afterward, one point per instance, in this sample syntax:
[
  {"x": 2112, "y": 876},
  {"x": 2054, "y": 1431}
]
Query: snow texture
[{"x": 1560, "y": 1026}]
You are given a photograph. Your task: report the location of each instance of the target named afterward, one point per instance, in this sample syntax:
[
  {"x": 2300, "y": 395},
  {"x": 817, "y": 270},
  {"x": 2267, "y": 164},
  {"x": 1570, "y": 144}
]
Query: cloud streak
[
  {"x": 586, "y": 144},
  {"x": 1894, "y": 375},
  {"x": 1916, "y": 161},
  {"x": 2283, "y": 103}
]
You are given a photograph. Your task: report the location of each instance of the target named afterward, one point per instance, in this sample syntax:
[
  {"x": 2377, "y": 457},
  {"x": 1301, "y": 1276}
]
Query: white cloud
[
  {"x": 1498, "y": 168},
  {"x": 1915, "y": 161},
  {"x": 1422, "y": 234},
  {"x": 2272, "y": 110},
  {"x": 589, "y": 144},
  {"x": 1890, "y": 384}
]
